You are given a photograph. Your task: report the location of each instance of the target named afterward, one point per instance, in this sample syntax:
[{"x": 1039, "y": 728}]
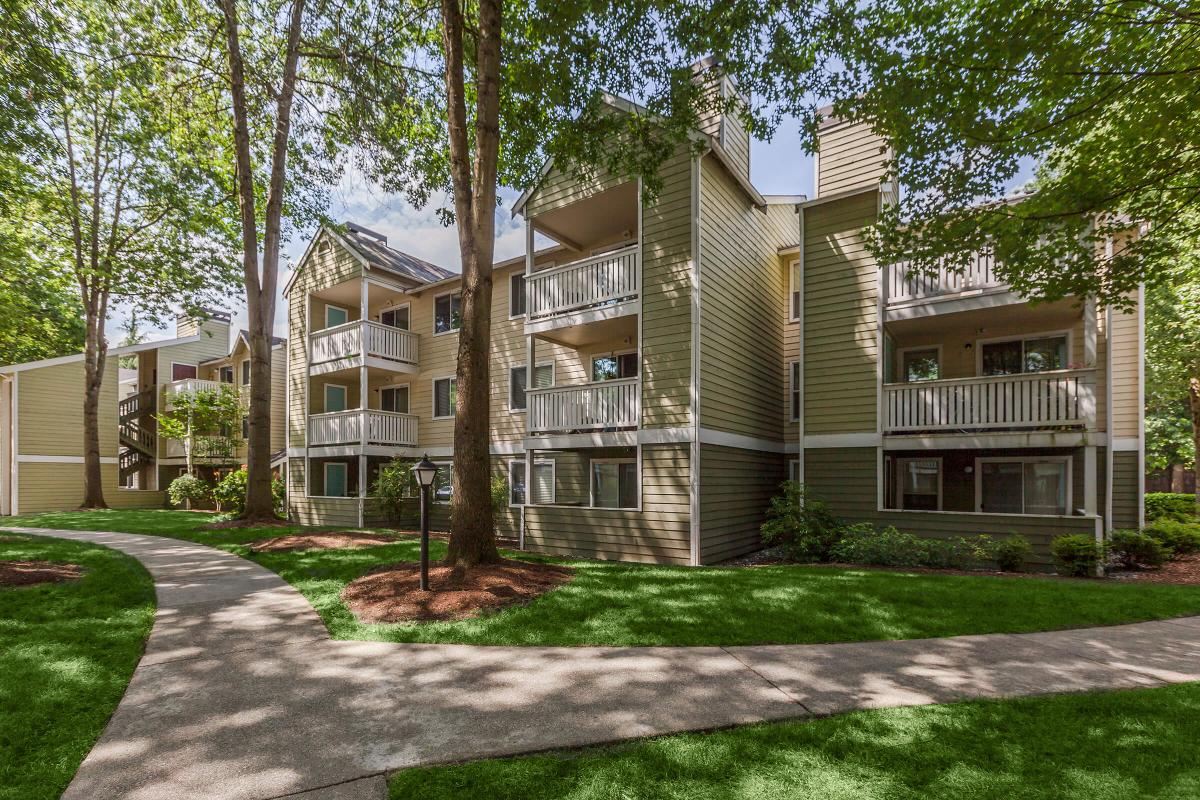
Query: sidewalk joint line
[{"x": 773, "y": 684}]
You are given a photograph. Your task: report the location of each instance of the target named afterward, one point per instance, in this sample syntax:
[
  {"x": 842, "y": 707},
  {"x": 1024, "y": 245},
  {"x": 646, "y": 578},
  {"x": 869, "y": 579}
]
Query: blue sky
[{"x": 776, "y": 167}]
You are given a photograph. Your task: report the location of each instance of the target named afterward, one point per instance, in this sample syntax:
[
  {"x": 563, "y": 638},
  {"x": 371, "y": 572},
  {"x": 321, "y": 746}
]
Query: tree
[
  {"x": 40, "y": 314},
  {"x": 202, "y": 421},
  {"x": 122, "y": 195},
  {"x": 1101, "y": 98}
]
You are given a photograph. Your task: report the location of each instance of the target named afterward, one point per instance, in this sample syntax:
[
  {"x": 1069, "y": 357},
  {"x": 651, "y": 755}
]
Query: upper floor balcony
[
  {"x": 910, "y": 293},
  {"x": 362, "y": 343},
  {"x": 599, "y": 406},
  {"x": 361, "y": 428},
  {"x": 601, "y": 287}
]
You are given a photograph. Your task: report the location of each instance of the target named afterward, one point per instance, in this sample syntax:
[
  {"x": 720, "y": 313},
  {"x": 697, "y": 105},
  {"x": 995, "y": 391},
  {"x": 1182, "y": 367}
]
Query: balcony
[
  {"x": 359, "y": 427},
  {"x": 1043, "y": 400},
  {"x": 597, "y": 288},
  {"x": 362, "y": 342},
  {"x": 193, "y": 385},
  {"x": 205, "y": 449},
  {"x": 602, "y": 406}
]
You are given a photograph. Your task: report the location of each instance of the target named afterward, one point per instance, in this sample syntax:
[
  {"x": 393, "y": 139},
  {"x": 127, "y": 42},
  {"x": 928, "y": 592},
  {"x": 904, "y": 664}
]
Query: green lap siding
[
  {"x": 736, "y": 487},
  {"x": 1126, "y": 489}
]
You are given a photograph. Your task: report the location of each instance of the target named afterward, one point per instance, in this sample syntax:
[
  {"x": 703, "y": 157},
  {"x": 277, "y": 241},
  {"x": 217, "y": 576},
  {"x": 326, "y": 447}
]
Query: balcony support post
[
  {"x": 1090, "y": 505},
  {"x": 1090, "y": 319}
]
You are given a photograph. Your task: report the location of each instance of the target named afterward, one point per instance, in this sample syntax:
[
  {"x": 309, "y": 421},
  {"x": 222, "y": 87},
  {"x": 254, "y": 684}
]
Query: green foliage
[
  {"x": 1077, "y": 554},
  {"x": 230, "y": 493},
  {"x": 802, "y": 524},
  {"x": 863, "y": 544},
  {"x": 203, "y": 421},
  {"x": 1181, "y": 538},
  {"x": 1011, "y": 552},
  {"x": 40, "y": 314},
  {"x": 395, "y": 487},
  {"x": 1171, "y": 505},
  {"x": 188, "y": 489},
  {"x": 499, "y": 492},
  {"x": 1135, "y": 549}
]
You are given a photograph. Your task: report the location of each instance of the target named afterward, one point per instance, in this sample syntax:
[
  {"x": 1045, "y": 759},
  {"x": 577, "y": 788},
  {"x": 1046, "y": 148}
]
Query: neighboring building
[
  {"x": 41, "y": 427},
  {"x": 658, "y": 373}
]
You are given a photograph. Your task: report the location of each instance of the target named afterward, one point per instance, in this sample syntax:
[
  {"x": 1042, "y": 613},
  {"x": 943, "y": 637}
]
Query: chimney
[
  {"x": 210, "y": 321},
  {"x": 725, "y": 128},
  {"x": 849, "y": 155}
]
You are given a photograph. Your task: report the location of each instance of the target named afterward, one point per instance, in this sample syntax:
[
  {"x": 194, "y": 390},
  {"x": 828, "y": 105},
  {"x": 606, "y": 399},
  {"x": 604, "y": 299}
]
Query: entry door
[{"x": 335, "y": 479}]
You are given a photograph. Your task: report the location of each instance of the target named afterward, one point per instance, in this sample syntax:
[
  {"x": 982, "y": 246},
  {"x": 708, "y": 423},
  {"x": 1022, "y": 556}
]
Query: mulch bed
[
  {"x": 393, "y": 594},
  {"x": 230, "y": 524},
  {"x": 31, "y": 573},
  {"x": 320, "y": 541},
  {"x": 1182, "y": 570}
]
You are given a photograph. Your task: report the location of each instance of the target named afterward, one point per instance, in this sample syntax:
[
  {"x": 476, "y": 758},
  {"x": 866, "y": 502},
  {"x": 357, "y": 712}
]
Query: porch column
[
  {"x": 1090, "y": 319},
  {"x": 1090, "y": 500}
]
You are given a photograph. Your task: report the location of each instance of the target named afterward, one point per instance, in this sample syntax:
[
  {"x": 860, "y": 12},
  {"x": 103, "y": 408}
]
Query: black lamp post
[{"x": 426, "y": 472}]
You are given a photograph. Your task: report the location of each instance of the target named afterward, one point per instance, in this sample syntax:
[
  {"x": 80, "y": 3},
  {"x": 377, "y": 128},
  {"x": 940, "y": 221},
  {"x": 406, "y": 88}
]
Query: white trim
[
  {"x": 36, "y": 459},
  {"x": 384, "y": 387},
  {"x": 1141, "y": 395},
  {"x": 794, "y": 473},
  {"x": 512, "y": 277},
  {"x": 951, "y": 304},
  {"x": 502, "y": 449},
  {"x": 15, "y": 445},
  {"x": 433, "y": 397},
  {"x": 114, "y": 351},
  {"x": 739, "y": 441},
  {"x": 325, "y": 397},
  {"x": 536, "y": 367},
  {"x": 694, "y": 400},
  {"x": 901, "y": 375},
  {"x": 678, "y": 435},
  {"x": 981, "y": 460},
  {"x": 795, "y": 287},
  {"x": 991, "y": 514},
  {"x": 826, "y": 440},
  {"x": 536, "y": 461},
  {"x": 613, "y": 354},
  {"x": 634, "y": 459},
  {"x": 623, "y": 309},
  {"x": 819, "y": 199},
  {"x": 392, "y": 309},
  {"x": 985, "y": 441},
  {"x": 1126, "y": 444},
  {"x": 1025, "y": 337},
  {"x": 799, "y": 444},
  {"x": 175, "y": 364},
  {"x": 433, "y": 320},
  {"x": 1109, "y": 460},
  {"x": 327, "y": 305},
  {"x": 899, "y": 487}
]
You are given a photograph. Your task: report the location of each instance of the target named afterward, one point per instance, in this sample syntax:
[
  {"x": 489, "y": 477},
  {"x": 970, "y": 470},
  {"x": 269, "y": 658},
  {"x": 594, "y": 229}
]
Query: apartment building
[
  {"x": 41, "y": 425},
  {"x": 671, "y": 360}
]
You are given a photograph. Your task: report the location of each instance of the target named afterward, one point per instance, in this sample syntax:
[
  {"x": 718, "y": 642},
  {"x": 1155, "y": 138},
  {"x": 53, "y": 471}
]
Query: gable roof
[{"x": 373, "y": 247}]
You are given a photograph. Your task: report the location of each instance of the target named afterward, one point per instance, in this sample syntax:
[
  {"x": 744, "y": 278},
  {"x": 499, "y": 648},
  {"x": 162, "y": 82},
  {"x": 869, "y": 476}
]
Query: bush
[
  {"x": 1011, "y": 554},
  {"x": 499, "y": 491},
  {"x": 802, "y": 524},
  {"x": 1181, "y": 538},
  {"x": 187, "y": 489},
  {"x": 863, "y": 544},
  {"x": 279, "y": 495},
  {"x": 1133, "y": 549},
  {"x": 1077, "y": 554},
  {"x": 396, "y": 487},
  {"x": 230, "y": 493},
  {"x": 1170, "y": 505}
]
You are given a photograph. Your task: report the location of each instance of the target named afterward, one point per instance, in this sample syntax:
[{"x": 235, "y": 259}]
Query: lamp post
[{"x": 426, "y": 472}]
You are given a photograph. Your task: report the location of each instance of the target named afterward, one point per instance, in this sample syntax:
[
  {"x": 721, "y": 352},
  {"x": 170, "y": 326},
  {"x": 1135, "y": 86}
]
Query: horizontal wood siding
[
  {"x": 659, "y": 533},
  {"x": 1126, "y": 354},
  {"x": 59, "y": 487},
  {"x": 851, "y": 157},
  {"x": 841, "y": 318},
  {"x": 1126, "y": 489},
  {"x": 50, "y": 411},
  {"x": 559, "y": 188},
  {"x": 736, "y": 487}
]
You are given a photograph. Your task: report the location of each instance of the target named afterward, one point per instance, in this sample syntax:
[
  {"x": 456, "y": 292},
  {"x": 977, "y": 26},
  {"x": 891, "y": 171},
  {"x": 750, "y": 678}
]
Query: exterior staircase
[{"x": 135, "y": 431}]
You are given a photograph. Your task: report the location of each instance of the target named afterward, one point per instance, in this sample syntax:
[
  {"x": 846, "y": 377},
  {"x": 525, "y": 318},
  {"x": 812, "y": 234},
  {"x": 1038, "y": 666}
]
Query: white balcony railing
[
  {"x": 205, "y": 449},
  {"x": 348, "y": 340},
  {"x": 902, "y": 284},
  {"x": 589, "y": 407},
  {"x": 193, "y": 385},
  {"x": 1065, "y": 398},
  {"x": 362, "y": 427},
  {"x": 582, "y": 285}
]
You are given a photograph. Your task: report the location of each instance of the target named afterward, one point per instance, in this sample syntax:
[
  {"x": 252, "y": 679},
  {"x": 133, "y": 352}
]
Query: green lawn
[
  {"x": 67, "y": 652},
  {"x": 621, "y": 604},
  {"x": 1136, "y": 744}
]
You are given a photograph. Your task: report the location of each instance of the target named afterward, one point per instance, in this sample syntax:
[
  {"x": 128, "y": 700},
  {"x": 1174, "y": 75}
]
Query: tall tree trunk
[
  {"x": 1194, "y": 408},
  {"x": 472, "y": 529},
  {"x": 94, "y": 355}
]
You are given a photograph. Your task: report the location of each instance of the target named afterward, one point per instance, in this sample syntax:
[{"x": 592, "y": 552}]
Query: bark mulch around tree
[
  {"x": 31, "y": 573},
  {"x": 321, "y": 541},
  {"x": 392, "y": 594},
  {"x": 1184, "y": 570},
  {"x": 231, "y": 524}
]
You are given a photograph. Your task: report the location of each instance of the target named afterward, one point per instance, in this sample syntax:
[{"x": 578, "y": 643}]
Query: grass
[
  {"x": 67, "y": 651},
  {"x": 1133, "y": 744},
  {"x": 611, "y": 603}
]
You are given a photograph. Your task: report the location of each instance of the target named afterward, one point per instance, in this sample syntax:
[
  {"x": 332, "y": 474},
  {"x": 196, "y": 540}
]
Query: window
[
  {"x": 447, "y": 313},
  {"x": 615, "y": 366},
  {"x": 335, "y": 397},
  {"x": 246, "y": 372},
  {"x": 1014, "y": 356},
  {"x": 543, "y": 481},
  {"x": 443, "y": 482},
  {"x": 395, "y": 318},
  {"x": 516, "y": 295},
  {"x": 794, "y": 388},
  {"x": 795, "y": 300},
  {"x": 335, "y": 479},
  {"x": 794, "y": 470},
  {"x": 544, "y": 375},
  {"x": 225, "y": 375},
  {"x": 181, "y": 372},
  {"x": 1024, "y": 485},
  {"x": 336, "y": 315},
  {"x": 919, "y": 484},
  {"x": 245, "y": 427},
  {"x": 445, "y": 390},
  {"x": 394, "y": 398},
  {"x": 920, "y": 365},
  {"x": 614, "y": 483}
]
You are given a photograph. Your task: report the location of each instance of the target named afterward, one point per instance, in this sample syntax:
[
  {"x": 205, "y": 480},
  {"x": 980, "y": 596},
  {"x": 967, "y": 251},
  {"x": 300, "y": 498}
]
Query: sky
[{"x": 777, "y": 167}]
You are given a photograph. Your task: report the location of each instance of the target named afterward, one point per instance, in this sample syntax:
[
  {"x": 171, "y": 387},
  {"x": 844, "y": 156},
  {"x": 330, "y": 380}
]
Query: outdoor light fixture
[{"x": 426, "y": 472}]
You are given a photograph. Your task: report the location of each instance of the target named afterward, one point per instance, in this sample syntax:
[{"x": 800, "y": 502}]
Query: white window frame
[
  {"x": 1065, "y": 459},
  {"x": 511, "y": 370},
  {"x": 340, "y": 308},
  {"x": 902, "y": 376},
  {"x": 444, "y": 468},
  {"x": 614, "y": 354},
  {"x": 433, "y": 397},
  {"x": 404, "y": 385},
  {"x": 635, "y": 460},
  {"x": 793, "y": 390},
  {"x": 537, "y": 462},
  {"x": 433, "y": 322},
  {"x": 391, "y": 309},
  {"x": 520, "y": 273},
  {"x": 1023, "y": 337},
  {"x": 898, "y": 471},
  {"x": 244, "y": 370},
  {"x": 325, "y": 396},
  {"x": 794, "y": 470},
  {"x": 325, "y": 478},
  {"x": 793, "y": 290}
]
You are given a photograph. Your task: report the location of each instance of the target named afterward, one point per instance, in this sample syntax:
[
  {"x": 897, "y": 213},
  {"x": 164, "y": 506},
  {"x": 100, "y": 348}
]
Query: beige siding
[
  {"x": 851, "y": 157},
  {"x": 659, "y": 533},
  {"x": 736, "y": 487},
  {"x": 59, "y": 487},
  {"x": 337, "y": 512},
  {"x": 841, "y": 288},
  {"x": 558, "y": 189},
  {"x": 1126, "y": 354},
  {"x": 1127, "y": 484},
  {"x": 50, "y": 411},
  {"x": 742, "y": 307}
]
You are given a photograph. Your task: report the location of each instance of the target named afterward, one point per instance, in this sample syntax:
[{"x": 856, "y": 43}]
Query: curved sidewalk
[{"x": 242, "y": 694}]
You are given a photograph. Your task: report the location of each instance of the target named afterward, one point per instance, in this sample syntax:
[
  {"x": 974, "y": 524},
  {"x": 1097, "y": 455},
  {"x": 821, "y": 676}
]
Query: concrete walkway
[{"x": 242, "y": 694}]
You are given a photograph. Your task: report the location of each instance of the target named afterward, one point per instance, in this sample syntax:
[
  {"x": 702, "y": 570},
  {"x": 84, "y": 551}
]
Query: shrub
[
  {"x": 230, "y": 493},
  {"x": 1011, "y": 554},
  {"x": 1171, "y": 505},
  {"x": 279, "y": 495},
  {"x": 1181, "y": 537},
  {"x": 1077, "y": 554},
  {"x": 396, "y": 487},
  {"x": 187, "y": 489},
  {"x": 802, "y": 524},
  {"x": 1133, "y": 549},
  {"x": 863, "y": 544}
]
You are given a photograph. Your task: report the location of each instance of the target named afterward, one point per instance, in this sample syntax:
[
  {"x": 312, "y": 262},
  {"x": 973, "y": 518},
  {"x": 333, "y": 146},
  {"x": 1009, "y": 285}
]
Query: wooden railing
[
  {"x": 362, "y": 427},
  {"x": 204, "y": 448},
  {"x": 1065, "y": 398},
  {"x": 585, "y": 284},
  {"x": 193, "y": 385},
  {"x": 592, "y": 406},
  {"x": 345, "y": 341},
  {"x": 902, "y": 284}
]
